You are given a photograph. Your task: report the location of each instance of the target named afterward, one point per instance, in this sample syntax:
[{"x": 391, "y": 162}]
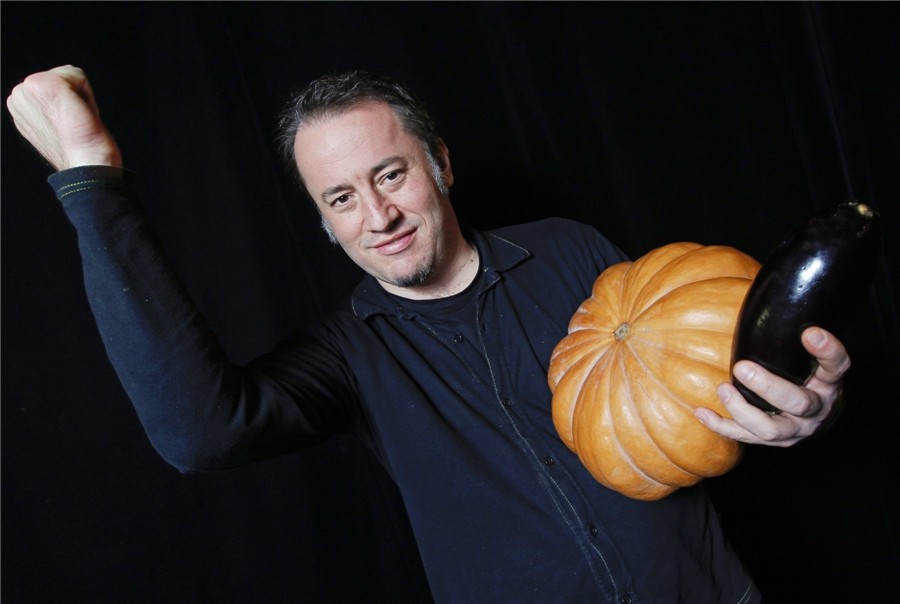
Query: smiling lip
[{"x": 396, "y": 244}]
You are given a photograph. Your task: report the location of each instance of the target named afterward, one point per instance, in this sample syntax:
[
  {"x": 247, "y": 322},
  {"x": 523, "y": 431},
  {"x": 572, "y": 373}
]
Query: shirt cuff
[{"x": 86, "y": 178}]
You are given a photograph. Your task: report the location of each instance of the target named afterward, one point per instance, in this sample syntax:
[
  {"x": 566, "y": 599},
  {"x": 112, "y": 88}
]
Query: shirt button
[
  {"x": 626, "y": 599},
  {"x": 594, "y": 530},
  {"x": 507, "y": 403},
  {"x": 458, "y": 338},
  {"x": 549, "y": 461}
]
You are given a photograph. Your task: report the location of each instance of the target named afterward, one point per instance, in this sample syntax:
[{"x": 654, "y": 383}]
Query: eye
[
  {"x": 392, "y": 177},
  {"x": 340, "y": 200}
]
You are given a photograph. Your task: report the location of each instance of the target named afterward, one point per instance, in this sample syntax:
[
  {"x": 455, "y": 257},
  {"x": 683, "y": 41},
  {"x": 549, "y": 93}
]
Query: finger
[
  {"x": 71, "y": 74},
  {"x": 781, "y": 393},
  {"x": 749, "y": 424},
  {"x": 27, "y": 121},
  {"x": 829, "y": 352},
  {"x": 763, "y": 426},
  {"x": 78, "y": 81},
  {"x": 723, "y": 426}
]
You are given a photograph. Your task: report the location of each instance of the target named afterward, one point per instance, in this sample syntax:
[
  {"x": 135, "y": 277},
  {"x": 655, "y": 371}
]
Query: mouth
[{"x": 395, "y": 244}]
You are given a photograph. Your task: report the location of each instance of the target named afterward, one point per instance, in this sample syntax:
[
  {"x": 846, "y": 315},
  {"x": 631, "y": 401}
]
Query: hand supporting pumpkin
[{"x": 804, "y": 408}]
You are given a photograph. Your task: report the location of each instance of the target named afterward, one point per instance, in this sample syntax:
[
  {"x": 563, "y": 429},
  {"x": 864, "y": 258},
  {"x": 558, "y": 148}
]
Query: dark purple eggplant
[{"x": 816, "y": 276}]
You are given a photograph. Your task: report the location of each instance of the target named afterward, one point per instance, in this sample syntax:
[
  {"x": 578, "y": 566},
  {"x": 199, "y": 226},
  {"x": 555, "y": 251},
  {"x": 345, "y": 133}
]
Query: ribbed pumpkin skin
[{"x": 623, "y": 401}]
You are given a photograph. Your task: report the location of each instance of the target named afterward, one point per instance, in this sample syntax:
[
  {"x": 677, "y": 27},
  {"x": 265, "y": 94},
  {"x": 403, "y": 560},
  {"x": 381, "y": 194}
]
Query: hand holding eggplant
[
  {"x": 784, "y": 389},
  {"x": 803, "y": 408}
]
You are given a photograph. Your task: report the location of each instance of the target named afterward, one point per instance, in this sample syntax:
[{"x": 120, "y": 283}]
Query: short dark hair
[{"x": 334, "y": 94}]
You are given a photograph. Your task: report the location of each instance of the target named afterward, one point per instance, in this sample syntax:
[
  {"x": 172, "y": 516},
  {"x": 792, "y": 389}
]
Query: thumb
[{"x": 829, "y": 352}]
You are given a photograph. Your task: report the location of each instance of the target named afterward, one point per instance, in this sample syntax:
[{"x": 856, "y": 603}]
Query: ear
[{"x": 443, "y": 160}]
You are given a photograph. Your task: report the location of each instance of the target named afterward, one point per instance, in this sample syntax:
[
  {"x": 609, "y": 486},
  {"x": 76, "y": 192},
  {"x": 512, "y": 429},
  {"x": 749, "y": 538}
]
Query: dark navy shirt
[{"x": 450, "y": 394}]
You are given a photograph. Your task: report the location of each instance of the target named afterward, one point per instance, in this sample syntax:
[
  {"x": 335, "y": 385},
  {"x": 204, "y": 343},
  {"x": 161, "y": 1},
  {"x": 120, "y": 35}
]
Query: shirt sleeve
[{"x": 200, "y": 411}]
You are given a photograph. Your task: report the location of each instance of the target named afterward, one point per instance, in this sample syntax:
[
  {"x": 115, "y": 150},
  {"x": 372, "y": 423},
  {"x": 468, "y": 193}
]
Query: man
[{"x": 438, "y": 364}]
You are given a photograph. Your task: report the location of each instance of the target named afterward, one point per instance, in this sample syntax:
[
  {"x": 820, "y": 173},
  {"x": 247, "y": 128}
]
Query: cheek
[
  {"x": 344, "y": 228},
  {"x": 428, "y": 203}
]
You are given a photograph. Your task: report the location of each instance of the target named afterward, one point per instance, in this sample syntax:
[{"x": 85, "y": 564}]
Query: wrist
[{"x": 93, "y": 157}]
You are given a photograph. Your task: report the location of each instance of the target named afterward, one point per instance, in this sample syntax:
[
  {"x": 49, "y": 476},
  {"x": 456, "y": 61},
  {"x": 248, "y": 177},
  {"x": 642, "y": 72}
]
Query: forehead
[{"x": 344, "y": 144}]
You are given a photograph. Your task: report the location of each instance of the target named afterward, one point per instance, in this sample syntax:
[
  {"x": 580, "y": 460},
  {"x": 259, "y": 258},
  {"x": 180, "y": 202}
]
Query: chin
[{"x": 415, "y": 279}]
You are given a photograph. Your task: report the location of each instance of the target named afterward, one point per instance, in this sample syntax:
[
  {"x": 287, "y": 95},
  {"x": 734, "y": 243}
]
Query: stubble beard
[{"x": 415, "y": 279}]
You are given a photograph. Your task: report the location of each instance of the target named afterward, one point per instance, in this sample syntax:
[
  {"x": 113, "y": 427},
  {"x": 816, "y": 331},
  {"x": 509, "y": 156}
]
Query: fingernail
[
  {"x": 743, "y": 372},
  {"x": 816, "y": 337},
  {"x": 724, "y": 394}
]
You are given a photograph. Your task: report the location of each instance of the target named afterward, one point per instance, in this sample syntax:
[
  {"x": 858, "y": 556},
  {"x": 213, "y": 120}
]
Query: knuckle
[
  {"x": 768, "y": 433},
  {"x": 844, "y": 365},
  {"x": 34, "y": 79},
  {"x": 805, "y": 408},
  {"x": 804, "y": 403}
]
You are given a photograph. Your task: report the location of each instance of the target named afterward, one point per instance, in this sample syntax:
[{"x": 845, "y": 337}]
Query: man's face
[{"x": 373, "y": 185}]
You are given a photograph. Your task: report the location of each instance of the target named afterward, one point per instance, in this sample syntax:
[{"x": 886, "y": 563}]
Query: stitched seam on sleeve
[{"x": 85, "y": 185}]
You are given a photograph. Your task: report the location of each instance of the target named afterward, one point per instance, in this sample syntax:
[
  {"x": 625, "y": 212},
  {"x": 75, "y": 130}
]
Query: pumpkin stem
[{"x": 621, "y": 331}]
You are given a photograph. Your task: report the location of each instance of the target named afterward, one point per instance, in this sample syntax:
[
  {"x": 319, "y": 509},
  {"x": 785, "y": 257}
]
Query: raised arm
[{"x": 200, "y": 411}]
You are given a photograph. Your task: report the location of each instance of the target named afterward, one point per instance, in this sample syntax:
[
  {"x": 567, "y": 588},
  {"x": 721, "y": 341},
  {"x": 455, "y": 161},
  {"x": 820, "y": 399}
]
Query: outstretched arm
[{"x": 804, "y": 408}]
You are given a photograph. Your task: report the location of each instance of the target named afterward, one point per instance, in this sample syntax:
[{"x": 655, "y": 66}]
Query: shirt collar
[{"x": 495, "y": 254}]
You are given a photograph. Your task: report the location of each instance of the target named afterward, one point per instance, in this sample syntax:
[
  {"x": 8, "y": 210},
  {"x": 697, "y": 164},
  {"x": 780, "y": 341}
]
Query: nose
[{"x": 380, "y": 213}]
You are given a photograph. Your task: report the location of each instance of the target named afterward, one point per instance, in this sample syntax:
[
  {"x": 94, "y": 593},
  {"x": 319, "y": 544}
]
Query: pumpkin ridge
[
  {"x": 663, "y": 384},
  {"x": 711, "y": 436},
  {"x": 567, "y": 355},
  {"x": 647, "y": 269},
  {"x": 650, "y": 484},
  {"x": 578, "y": 339},
  {"x": 679, "y": 289},
  {"x": 677, "y": 400},
  {"x": 596, "y": 469},
  {"x": 563, "y": 406},
  {"x": 639, "y": 274},
  {"x": 689, "y": 475},
  {"x": 682, "y": 353},
  {"x": 674, "y": 330}
]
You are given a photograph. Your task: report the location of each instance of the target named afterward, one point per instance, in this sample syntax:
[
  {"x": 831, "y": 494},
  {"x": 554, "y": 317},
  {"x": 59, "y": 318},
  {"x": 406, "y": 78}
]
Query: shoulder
[
  {"x": 562, "y": 255},
  {"x": 561, "y": 236},
  {"x": 541, "y": 229}
]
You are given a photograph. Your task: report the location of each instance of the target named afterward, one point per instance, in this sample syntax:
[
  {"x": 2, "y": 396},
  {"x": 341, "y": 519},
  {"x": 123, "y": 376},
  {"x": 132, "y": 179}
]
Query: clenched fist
[{"x": 56, "y": 112}]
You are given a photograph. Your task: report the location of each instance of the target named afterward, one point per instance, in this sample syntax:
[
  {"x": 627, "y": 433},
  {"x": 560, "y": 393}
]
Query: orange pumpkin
[{"x": 651, "y": 343}]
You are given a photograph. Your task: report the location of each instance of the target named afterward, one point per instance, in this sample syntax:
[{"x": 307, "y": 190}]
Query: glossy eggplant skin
[{"x": 816, "y": 276}]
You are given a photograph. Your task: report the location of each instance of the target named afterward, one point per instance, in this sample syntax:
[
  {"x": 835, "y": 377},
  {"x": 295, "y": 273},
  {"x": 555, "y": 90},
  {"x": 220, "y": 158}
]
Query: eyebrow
[{"x": 372, "y": 171}]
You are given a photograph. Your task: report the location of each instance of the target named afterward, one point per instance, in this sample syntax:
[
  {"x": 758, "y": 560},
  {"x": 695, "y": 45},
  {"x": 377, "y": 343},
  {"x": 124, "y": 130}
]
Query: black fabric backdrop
[{"x": 716, "y": 123}]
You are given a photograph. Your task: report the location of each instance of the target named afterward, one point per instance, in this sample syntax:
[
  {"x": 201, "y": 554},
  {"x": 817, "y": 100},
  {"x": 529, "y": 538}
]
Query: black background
[{"x": 717, "y": 123}]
